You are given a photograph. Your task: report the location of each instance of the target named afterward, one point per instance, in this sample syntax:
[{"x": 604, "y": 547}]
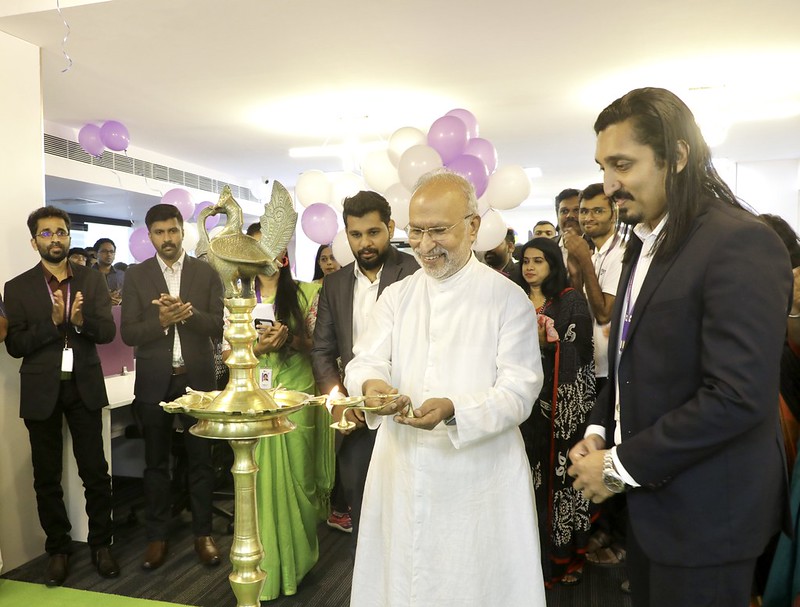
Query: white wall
[
  {"x": 22, "y": 177},
  {"x": 770, "y": 186}
]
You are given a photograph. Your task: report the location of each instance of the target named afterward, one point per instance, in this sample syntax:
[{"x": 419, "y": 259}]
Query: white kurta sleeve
[{"x": 509, "y": 401}]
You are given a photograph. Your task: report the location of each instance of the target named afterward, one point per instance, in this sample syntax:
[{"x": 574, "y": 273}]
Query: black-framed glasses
[
  {"x": 437, "y": 233},
  {"x": 596, "y": 211},
  {"x": 48, "y": 234}
]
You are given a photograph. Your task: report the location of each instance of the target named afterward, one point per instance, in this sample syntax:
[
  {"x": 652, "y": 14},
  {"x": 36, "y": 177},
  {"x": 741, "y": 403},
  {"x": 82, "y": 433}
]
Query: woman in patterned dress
[{"x": 561, "y": 412}]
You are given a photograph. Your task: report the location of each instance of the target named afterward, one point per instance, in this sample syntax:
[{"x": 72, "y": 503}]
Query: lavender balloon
[
  {"x": 483, "y": 149},
  {"x": 473, "y": 170},
  {"x": 114, "y": 135},
  {"x": 89, "y": 140},
  {"x": 140, "y": 246},
  {"x": 469, "y": 120},
  {"x": 448, "y": 136},
  {"x": 182, "y": 199},
  {"x": 211, "y": 220},
  {"x": 319, "y": 223}
]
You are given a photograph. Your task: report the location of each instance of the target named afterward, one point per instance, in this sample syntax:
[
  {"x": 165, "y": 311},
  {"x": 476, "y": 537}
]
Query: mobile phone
[{"x": 262, "y": 324}]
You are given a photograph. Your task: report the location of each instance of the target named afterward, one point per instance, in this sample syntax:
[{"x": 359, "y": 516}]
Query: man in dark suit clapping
[
  {"x": 57, "y": 313},
  {"x": 171, "y": 310}
]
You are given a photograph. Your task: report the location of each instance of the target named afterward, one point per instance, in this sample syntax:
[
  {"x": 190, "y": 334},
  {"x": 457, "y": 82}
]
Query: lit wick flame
[{"x": 334, "y": 394}]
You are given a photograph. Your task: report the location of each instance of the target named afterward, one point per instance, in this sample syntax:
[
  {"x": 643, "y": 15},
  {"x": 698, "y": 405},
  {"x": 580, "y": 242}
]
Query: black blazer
[
  {"x": 200, "y": 285},
  {"x": 33, "y": 337},
  {"x": 698, "y": 392},
  {"x": 333, "y": 335}
]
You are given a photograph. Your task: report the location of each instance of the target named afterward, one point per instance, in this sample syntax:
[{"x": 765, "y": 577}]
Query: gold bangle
[{"x": 794, "y": 315}]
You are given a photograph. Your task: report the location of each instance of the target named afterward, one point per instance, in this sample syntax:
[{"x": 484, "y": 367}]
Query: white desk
[{"x": 120, "y": 394}]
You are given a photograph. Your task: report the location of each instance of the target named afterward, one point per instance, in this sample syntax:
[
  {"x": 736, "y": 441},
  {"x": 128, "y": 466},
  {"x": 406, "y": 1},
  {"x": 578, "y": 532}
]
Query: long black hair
[
  {"x": 660, "y": 120},
  {"x": 287, "y": 300},
  {"x": 558, "y": 279},
  {"x": 317, "y": 269}
]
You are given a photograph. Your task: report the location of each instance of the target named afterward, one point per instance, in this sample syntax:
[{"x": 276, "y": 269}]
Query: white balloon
[
  {"x": 491, "y": 233},
  {"x": 509, "y": 187},
  {"x": 341, "y": 249},
  {"x": 483, "y": 205},
  {"x": 378, "y": 170},
  {"x": 343, "y": 186},
  {"x": 402, "y": 139},
  {"x": 415, "y": 162},
  {"x": 312, "y": 187},
  {"x": 398, "y": 198},
  {"x": 190, "y": 236}
]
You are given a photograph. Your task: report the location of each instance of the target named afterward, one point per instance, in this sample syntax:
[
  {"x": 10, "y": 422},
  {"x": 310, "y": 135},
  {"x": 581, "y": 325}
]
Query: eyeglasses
[
  {"x": 596, "y": 211},
  {"x": 48, "y": 234},
  {"x": 437, "y": 233}
]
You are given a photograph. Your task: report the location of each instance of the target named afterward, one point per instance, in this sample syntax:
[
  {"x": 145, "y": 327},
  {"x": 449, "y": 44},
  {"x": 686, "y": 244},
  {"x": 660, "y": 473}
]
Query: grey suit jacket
[
  {"x": 698, "y": 392},
  {"x": 200, "y": 285},
  {"x": 333, "y": 335}
]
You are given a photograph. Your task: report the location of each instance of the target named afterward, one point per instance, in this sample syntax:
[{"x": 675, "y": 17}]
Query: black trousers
[
  {"x": 657, "y": 585},
  {"x": 46, "y": 437},
  {"x": 157, "y": 431},
  {"x": 353, "y": 456}
]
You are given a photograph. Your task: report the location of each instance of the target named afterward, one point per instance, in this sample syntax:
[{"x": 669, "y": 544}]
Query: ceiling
[{"x": 233, "y": 85}]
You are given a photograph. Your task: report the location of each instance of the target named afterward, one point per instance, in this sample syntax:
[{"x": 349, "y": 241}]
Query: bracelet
[{"x": 794, "y": 315}]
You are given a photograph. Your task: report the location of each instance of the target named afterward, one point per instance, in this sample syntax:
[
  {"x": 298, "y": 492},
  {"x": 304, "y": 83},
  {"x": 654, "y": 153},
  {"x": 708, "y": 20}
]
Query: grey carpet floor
[{"x": 182, "y": 580}]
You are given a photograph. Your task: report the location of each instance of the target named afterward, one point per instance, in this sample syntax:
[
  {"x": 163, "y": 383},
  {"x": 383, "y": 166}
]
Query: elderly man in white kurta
[{"x": 448, "y": 517}]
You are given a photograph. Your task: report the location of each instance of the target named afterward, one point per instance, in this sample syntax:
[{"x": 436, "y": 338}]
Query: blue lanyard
[{"x": 626, "y": 321}]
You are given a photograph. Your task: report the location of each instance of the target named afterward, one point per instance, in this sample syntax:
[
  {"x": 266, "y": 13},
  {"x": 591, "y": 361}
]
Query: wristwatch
[{"x": 611, "y": 478}]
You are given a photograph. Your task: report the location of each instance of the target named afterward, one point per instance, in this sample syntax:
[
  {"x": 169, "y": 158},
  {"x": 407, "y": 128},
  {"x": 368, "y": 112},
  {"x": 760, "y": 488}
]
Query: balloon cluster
[
  {"x": 452, "y": 141},
  {"x": 95, "y": 139},
  {"x": 139, "y": 242}
]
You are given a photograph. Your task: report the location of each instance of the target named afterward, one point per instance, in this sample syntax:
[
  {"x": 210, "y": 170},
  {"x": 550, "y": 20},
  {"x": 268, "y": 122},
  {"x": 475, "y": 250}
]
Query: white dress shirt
[{"x": 172, "y": 276}]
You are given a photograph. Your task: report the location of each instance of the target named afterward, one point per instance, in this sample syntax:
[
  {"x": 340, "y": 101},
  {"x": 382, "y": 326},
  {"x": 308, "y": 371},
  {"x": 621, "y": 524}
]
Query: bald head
[{"x": 443, "y": 223}]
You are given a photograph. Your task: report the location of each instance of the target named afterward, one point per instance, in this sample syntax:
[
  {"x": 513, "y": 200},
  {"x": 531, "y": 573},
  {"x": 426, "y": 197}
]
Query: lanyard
[
  {"x": 626, "y": 321},
  {"x": 66, "y": 307}
]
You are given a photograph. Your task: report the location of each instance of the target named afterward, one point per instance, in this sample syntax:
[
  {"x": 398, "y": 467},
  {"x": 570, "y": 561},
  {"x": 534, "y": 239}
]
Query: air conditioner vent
[{"x": 71, "y": 150}]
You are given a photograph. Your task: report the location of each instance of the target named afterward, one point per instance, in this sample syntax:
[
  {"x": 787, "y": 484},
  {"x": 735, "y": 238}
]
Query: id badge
[
  {"x": 265, "y": 379},
  {"x": 66, "y": 360}
]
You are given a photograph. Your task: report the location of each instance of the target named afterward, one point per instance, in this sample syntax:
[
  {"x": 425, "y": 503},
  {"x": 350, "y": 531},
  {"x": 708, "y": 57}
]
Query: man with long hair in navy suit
[{"x": 688, "y": 421}]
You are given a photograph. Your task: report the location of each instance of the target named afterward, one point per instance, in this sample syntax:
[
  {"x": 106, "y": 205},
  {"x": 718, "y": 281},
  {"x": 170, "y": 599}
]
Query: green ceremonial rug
[{"x": 24, "y": 594}]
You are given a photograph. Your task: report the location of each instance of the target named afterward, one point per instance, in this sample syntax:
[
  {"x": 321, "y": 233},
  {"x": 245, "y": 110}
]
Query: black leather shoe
[
  {"x": 206, "y": 550},
  {"x": 155, "y": 555},
  {"x": 105, "y": 562},
  {"x": 57, "y": 568}
]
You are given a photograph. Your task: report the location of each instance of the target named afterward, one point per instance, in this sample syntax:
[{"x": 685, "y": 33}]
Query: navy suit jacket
[
  {"x": 33, "y": 337},
  {"x": 333, "y": 335},
  {"x": 698, "y": 392},
  {"x": 200, "y": 285}
]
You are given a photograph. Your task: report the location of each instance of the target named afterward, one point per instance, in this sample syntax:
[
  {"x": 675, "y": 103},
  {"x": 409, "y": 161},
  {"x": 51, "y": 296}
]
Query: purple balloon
[
  {"x": 319, "y": 223},
  {"x": 469, "y": 120},
  {"x": 483, "y": 149},
  {"x": 181, "y": 199},
  {"x": 90, "y": 141},
  {"x": 448, "y": 136},
  {"x": 140, "y": 246},
  {"x": 211, "y": 220},
  {"x": 473, "y": 170},
  {"x": 114, "y": 135}
]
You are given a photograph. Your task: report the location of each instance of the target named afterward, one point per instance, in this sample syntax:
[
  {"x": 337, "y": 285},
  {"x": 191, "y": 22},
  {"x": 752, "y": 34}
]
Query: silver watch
[{"x": 611, "y": 478}]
